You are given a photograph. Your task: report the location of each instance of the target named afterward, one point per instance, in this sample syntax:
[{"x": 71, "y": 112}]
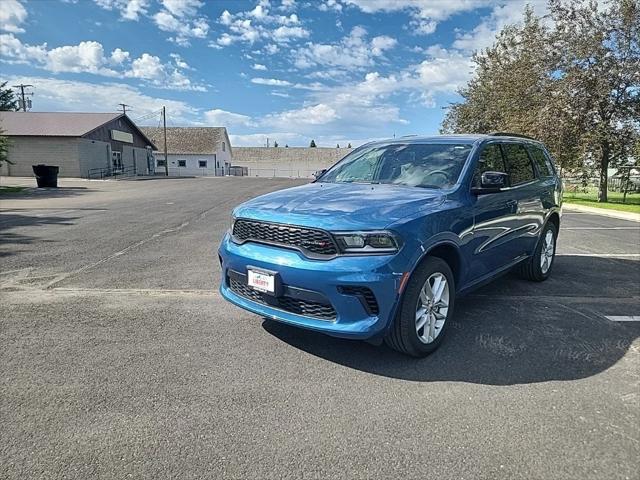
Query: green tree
[
  {"x": 312, "y": 144},
  {"x": 8, "y": 100},
  {"x": 338, "y": 145},
  {"x": 4, "y": 148},
  {"x": 574, "y": 86},
  {"x": 599, "y": 65},
  {"x": 349, "y": 146},
  {"x": 275, "y": 144}
]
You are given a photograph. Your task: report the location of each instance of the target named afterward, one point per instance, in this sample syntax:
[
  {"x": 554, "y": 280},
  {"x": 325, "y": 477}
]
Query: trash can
[{"x": 46, "y": 175}]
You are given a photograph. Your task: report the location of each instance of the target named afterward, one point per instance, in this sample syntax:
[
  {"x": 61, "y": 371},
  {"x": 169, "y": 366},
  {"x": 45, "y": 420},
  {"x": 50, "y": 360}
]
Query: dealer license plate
[{"x": 262, "y": 282}]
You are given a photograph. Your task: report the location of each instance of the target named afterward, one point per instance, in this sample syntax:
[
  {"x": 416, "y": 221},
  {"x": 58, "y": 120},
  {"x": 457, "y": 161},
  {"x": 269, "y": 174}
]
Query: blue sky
[{"x": 337, "y": 71}]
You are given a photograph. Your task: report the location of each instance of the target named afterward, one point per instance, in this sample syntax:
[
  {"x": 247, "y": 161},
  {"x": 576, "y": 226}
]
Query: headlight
[
  {"x": 372, "y": 242},
  {"x": 232, "y": 220}
]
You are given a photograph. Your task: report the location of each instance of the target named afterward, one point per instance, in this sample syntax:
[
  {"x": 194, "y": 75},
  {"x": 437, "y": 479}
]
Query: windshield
[{"x": 425, "y": 165}]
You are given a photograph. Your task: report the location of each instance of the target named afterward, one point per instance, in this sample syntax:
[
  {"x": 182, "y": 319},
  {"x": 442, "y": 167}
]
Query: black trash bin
[{"x": 46, "y": 175}]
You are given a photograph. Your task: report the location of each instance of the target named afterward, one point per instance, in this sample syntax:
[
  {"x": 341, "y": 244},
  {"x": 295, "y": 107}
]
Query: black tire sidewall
[{"x": 407, "y": 312}]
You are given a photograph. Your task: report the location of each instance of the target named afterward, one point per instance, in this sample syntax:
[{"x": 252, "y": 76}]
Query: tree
[
  {"x": 286, "y": 145},
  {"x": 8, "y": 100},
  {"x": 338, "y": 145},
  {"x": 275, "y": 144},
  {"x": 599, "y": 61},
  {"x": 312, "y": 144},
  {"x": 575, "y": 86},
  {"x": 349, "y": 146},
  {"x": 4, "y": 148}
]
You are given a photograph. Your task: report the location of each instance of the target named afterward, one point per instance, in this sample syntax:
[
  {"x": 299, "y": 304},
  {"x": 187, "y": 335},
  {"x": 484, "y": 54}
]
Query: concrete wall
[
  {"x": 92, "y": 154},
  {"x": 27, "y": 151},
  {"x": 286, "y": 162}
]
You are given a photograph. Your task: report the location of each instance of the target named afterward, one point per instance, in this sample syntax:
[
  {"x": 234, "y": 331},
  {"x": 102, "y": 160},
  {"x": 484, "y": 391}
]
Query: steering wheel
[{"x": 440, "y": 172}]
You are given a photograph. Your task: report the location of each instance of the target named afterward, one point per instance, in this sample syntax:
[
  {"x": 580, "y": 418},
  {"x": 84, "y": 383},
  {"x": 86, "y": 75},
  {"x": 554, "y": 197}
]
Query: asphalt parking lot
[{"x": 120, "y": 359}]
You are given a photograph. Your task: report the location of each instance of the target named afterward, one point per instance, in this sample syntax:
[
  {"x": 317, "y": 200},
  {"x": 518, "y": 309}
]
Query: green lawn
[
  {"x": 11, "y": 189},
  {"x": 590, "y": 199}
]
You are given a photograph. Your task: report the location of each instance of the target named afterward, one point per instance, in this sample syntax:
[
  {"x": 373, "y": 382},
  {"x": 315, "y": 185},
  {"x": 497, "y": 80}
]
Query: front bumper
[{"x": 318, "y": 282}]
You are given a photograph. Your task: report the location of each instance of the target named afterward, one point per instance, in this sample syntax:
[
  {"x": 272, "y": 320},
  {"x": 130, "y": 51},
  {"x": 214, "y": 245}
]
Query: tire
[
  {"x": 534, "y": 268},
  {"x": 404, "y": 336}
]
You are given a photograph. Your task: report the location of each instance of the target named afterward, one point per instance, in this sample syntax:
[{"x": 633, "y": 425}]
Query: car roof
[{"x": 452, "y": 138}]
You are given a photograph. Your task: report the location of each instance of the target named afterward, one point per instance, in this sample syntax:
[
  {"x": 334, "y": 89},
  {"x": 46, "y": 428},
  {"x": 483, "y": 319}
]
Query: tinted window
[
  {"x": 541, "y": 161},
  {"x": 518, "y": 163},
  {"x": 490, "y": 161},
  {"x": 427, "y": 165}
]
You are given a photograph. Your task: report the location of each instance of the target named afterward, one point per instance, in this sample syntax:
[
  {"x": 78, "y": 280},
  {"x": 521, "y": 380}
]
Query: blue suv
[{"x": 380, "y": 245}]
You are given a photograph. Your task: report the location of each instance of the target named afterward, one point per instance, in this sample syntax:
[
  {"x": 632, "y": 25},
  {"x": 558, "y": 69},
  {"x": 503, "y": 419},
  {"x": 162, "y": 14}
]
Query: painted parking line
[
  {"x": 612, "y": 255},
  {"x": 623, "y": 318},
  {"x": 600, "y": 228}
]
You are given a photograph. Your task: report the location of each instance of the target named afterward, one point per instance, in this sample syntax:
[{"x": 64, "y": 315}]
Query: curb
[{"x": 630, "y": 216}]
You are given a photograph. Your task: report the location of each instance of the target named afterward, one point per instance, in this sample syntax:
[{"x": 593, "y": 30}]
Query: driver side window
[{"x": 490, "y": 161}]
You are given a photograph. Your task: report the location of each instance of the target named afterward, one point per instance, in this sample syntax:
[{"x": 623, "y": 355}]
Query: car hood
[{"x": 341, "y": 206}]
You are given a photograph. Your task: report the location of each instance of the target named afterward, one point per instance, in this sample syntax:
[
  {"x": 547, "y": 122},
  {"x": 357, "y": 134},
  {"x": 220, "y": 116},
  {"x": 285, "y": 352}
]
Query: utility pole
[
  {"x": 22, "y": 94},
  {"x": 124, "y": 107},
  {"x": 164, "y": 128}
]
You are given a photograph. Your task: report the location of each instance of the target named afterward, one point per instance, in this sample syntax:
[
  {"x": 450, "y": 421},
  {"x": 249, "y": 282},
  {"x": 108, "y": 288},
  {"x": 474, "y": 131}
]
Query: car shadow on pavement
[{"x": 511, "y": 331}]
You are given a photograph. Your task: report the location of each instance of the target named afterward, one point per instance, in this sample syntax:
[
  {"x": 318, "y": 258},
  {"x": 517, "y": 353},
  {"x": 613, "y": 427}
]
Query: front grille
[
  {"x": 288, "y": 304},
  {"x": 365, "y": 295},
  {"x": 314, "y": 241}
]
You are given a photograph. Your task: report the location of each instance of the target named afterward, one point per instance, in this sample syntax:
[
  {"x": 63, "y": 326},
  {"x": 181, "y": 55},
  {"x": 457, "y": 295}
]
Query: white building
[{"x": 192, "y": 150}]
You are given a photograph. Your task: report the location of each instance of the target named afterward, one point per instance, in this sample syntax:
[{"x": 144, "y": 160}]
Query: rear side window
[
  {"x": 490, "y": 161},
  {"x": 541, "y": 160},
  {"x": 519, "y": 165}
]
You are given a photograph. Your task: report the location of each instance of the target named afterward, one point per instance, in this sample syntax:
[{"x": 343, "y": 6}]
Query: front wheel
[
  {"x": 538, "y": 267},
  {"x": 426, "y": 308}
]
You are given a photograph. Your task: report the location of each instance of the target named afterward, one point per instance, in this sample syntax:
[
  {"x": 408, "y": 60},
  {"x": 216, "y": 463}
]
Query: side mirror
[
  {"x": 491, "y": 182},
  {"x": 318, "y": 173}
]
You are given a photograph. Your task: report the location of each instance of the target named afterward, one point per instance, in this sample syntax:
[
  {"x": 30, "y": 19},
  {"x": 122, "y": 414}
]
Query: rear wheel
[
  {"x": 427, "y": 305},
  {"x": 538, "y": 267}
]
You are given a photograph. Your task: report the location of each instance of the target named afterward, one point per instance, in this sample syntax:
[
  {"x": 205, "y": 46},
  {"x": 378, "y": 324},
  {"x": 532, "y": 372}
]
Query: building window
[
  {"x": 202, "y": 163},
  {"x": 182, "y": 163},
  {"x": 161, "y": 163},
  {"x": 223, "y": 147}
]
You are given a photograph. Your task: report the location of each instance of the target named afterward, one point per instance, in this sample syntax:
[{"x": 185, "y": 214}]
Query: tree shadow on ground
[
  {"x": 512, "y": 331},
  {"x": 33, "y": 192},
  {"x": 9, "y": 240}
]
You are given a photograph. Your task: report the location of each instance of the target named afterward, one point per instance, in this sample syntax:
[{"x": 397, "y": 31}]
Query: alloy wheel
[
  {"x": 432, "y": 307},
  {"x": 546, "y": 254}
]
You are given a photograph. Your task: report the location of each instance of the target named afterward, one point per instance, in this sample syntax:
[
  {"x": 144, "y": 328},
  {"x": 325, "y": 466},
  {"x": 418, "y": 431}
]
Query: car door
[
  {"x": 493, "y": 219},
  {"x": 527, "y": 192}
]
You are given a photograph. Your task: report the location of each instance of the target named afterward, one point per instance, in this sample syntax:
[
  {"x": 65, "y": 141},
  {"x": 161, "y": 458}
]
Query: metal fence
[{"x": 102, "y": 173}]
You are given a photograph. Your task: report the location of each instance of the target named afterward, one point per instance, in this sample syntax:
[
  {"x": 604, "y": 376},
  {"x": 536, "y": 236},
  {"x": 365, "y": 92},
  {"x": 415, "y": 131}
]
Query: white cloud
[
  {"x": 181, "y": 17},
  {"x": 425, "y": 14},
  {"x": 287, "y": 5},
  {"x": 54, "y": 94},
  {"x": 483, "y": 35},
  {"x": 182, "y": 8},
  {"x": 260, "y": 24},
  {"x": 12, "y": 15},
  {"x": 118, "y": 56},
  {"x": 258, "y": 66},
  {"x": 330, "y": 5},
  {"x": 274, "y": 82},
  {"x": 129, "y": 9},
  {"x": 319, "y": 114},
  {"x": 354, "y": 50},
  {"x": 90, "y": 57},
  {"x": 223, "y": 118}
]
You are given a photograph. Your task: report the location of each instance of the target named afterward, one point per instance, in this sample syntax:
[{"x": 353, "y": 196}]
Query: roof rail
[
  {"x": 507, "y": 134},
  {"x": 406, "y": 136}
]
